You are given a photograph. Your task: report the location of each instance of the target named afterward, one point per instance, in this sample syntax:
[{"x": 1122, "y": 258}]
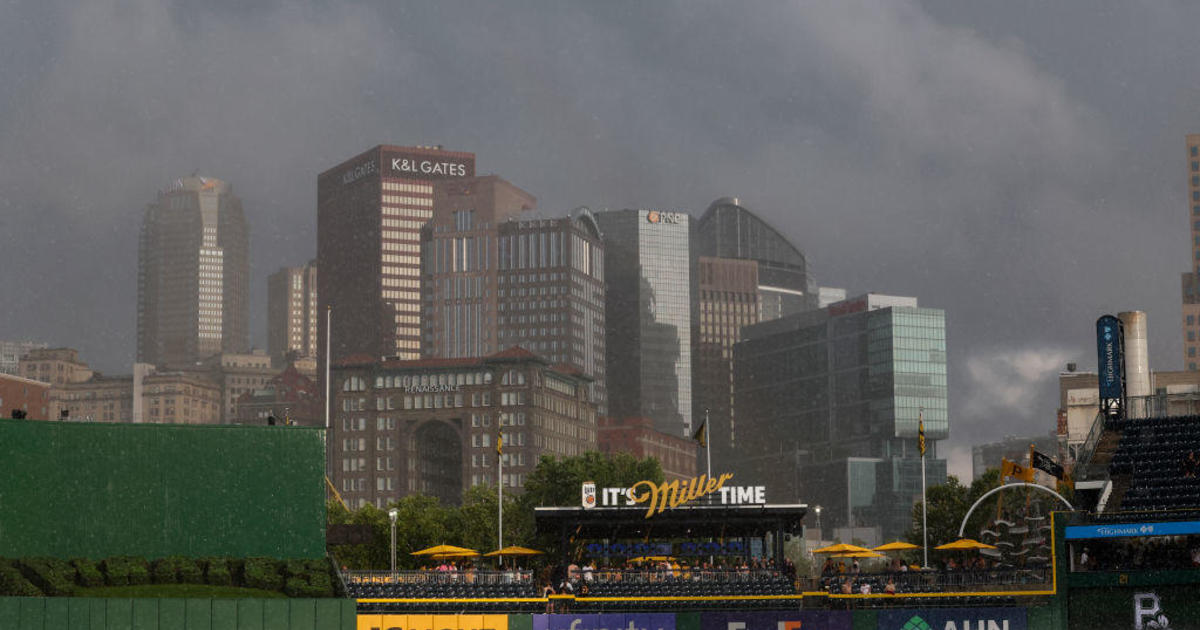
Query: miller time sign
[{"x": 670, "y": 494}]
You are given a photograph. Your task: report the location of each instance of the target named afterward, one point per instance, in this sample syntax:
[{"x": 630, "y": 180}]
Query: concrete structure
[
  {"x": 1137, "y": 356},
  {"x": 193, "y": 274},
  {"x": 1190, "y": 280},
  {"x": 460, "y": 267},
  {"x": 828, "y": 404},
  {"x": 56, "y": 366},
  {"x": 370, "y": 211},
  {"x": 29, "y": 396},
  {"x": 639, "y": 438},
  {"x": 648, "y": 316},
  {"x": 430, "y": 426},
  {"x": 292, "y": 317},
  {"x": 238, "y": 374},
  {"x": 11, "y": 353}
]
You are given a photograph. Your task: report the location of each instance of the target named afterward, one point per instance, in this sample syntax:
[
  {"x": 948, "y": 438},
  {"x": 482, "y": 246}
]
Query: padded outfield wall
[{"x": 96, "y": 490}]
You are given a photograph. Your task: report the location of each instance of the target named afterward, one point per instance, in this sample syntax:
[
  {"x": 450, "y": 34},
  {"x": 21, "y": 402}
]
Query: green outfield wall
[
  {"x": 81, "y": 613},
  {"x": 96, "y": 490}
]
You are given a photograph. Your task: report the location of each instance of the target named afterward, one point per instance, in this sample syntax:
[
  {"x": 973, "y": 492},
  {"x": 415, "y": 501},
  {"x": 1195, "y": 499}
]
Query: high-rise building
[
  {"x": 648, "y": 316},
  {"x": 729, "y": 230},
  {"x": 193, "y": 274},
  {"x": 747, "y": 272},
  {"x": 1191, "y": 279},
  {"x": 11, "y": 353},
  {"x": 459, "y": 265},
  {"x": 370, "y": 211},
  {"x": 828, "y": 408},
  {"x": 431, "y": 426},
  {"x": 292, "y": 313}
]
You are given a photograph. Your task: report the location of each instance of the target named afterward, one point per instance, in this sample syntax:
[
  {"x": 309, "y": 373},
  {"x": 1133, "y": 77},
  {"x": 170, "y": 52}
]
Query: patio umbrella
[
  {"x": 514, "y": 551},
  {"x": 964, "y": 543},
  {"x": 858, "y": 554},
  {"x": 897, "y": 546},
  {"x": 444, "y": 550},
  {"x": 452, "y": 555},
  {"x": 651, "y": 559},
  {"x": 840, "y": 548}
]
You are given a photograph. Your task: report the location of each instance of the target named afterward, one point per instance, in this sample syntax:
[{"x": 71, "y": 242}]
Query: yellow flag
[
  {"x": 921, "y": 436},
  {"x": 701, "y": 435},
  {"x": 499, "y": 443}
]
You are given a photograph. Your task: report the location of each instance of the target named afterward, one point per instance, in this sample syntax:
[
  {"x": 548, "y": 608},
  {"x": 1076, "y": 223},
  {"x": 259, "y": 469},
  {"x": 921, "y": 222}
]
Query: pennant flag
[
  {"x": 499, "y": 443},
  {"x": 1044, "y": 462},
  {"x": 921, "y": 436},
  {"x": 701, "y": 435}
]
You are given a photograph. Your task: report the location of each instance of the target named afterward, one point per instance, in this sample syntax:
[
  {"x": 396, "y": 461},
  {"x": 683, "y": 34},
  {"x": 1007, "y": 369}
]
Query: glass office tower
[
  {"x": 829, "y": 403},
  {"x": 648, "y": 316}
]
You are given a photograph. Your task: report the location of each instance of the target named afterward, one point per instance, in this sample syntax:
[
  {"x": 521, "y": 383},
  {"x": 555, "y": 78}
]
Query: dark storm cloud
[{"x": 1016, "y": 164}]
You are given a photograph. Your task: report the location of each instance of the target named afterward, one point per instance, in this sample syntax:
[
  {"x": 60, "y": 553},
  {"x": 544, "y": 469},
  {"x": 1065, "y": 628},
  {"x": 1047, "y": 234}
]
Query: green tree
[
  {"x": 556, "y": 482},
  {"x": 948, "y": 504},
  {"x": 475, "y": 522}
]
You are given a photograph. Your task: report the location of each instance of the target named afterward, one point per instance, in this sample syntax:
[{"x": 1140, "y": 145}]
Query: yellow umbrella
[
  {"x": 859, "y": 554},
  {"x": 840, "y": 548},
  {"x": 514, "y": 551},
  {"x": 896, "y": 546},
  {"x": 651, "y": 559},
  {"x": 454, "y": 554},
  {"x": 444, "y": 550},
  {"x": 964, "y": 543}
]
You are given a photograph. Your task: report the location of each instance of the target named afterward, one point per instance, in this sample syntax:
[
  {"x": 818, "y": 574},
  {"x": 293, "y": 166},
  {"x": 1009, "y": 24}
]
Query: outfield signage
[
  {"x": 1127, "y": 530},
  {"x": 631, "y": 621},
  {"x": 952, "y": 619},
  {"x": 670, "y": 494},
  {"x": 1110, "y": 356},
  {"x": 432, "y": 622},
  {"x": 782, "y": 620}
]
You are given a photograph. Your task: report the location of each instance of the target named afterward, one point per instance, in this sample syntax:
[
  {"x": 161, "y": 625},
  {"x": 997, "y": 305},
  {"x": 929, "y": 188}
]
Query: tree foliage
[
  {"x": 423, "y": 522},
  {"x": 948, "y": 504}
]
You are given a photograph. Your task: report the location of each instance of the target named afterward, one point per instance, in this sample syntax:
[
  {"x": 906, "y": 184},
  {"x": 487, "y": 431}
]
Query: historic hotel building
[{"x": 430, "y": 426}]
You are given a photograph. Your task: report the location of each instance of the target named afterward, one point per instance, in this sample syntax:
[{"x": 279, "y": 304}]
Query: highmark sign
[{"x": 660, "y": 496}]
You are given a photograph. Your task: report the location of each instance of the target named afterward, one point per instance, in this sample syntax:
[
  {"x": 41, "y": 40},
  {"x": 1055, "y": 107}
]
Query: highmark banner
[
  {"x": 433, "y": 622},
  {"x": 631, "y": 621},
  {"x": 953, "y": 619},
  {"x": 782, "y": 620}
]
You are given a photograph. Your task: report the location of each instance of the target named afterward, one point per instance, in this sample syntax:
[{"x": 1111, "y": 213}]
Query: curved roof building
[{"x": 729, "y": 230}]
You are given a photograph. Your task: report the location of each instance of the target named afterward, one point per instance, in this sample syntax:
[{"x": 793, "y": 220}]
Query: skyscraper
[
  {"x": 829, "y": 403},
  {"x": 459, "y": 269},
  {"x": 292, "y": 319},
  {"x": 1191, "y": 278},
  {"x": 648, "y": 316},
  {"x": 747, "y": 272},
  {"x": 193, "y": 274},
  {"x": 370, "y": 211}
]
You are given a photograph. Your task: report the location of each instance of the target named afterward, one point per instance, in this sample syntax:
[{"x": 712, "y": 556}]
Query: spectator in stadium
[
  {"x": 854, "y": 567},
  {"x": 1190, "y": 466},
  {"x": 865, "y": 588},
  {"x": 1083, "y": 560},
  {"x": 828, "y": 569},
  {"x": 890, "y": 589},
  {"x": 847, "y": 587},
  {"x": 547, "y": 591}
]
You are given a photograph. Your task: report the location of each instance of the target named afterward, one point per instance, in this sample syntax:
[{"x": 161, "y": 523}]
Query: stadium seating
[{"x": 1151, "y": 456}]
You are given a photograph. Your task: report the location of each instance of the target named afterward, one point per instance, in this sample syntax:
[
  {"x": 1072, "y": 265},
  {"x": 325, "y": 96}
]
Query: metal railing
[
  {"x": 935, "y": 581},
  {"x": 430, "y": 577}
]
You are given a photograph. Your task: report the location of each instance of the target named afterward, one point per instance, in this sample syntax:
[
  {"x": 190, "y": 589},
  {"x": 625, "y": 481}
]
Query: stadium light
[{"x": 392, "y": 514}]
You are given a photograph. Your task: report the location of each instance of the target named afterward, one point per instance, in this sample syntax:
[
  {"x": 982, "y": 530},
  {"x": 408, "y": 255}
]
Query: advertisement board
[
  {"x": 1135, "y": 608},
  {"x": 778, "y": 620},
  {"x": 1110, "y": 357},
  {"x": 619, "y": 621},
  {"x": 1126, "y": 530},
  {"x": 432, "y": 622},
  {"x": 953, "y": 619}
]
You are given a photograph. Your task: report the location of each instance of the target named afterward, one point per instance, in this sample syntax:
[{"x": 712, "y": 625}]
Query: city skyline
[{"x": 991, "y": 191}]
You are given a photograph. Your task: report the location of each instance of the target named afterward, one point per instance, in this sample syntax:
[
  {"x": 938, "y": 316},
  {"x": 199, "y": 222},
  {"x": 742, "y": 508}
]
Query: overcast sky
[{"x": 1019, "y": 164}]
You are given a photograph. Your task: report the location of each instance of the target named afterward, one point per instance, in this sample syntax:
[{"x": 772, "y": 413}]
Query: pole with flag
[
  {"x": 701, "y": 436},
  {"x": 500, "y": 490},
  {"x": 924, "y": 502},
  {"x": 328, "y": 318}
]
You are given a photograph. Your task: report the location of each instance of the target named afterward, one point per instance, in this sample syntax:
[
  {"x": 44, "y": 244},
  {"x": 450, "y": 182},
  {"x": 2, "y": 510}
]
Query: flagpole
[
  {"x": 328, "y": 318},
  {"x": 924, "y": 501},
  {"x": 500, "y": 492},
  {"x": 707, "y": 445}
]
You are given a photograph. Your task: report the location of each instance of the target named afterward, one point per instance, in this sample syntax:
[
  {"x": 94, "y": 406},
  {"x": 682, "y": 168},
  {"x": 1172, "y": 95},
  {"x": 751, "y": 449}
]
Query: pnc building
[
  {"x": 370, "y": 211},
  {"x": 648, "y": 316}
]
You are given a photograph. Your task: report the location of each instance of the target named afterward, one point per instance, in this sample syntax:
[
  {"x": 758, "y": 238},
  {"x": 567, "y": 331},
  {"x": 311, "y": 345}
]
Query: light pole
[
  {"x": 392, "y": 514},
  {"x": 818, "y": 511}
]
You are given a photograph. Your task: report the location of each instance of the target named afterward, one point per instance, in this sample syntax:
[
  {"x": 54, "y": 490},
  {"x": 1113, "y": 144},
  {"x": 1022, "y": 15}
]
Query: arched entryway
[{"x": 437, "y": 451}]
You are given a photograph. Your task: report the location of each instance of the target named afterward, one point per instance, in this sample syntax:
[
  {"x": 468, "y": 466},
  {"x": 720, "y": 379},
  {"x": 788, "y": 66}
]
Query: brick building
[
  {"x": 430, "y": 426},
  {"x": 30, "y": 396},
  {"x": 638, "y": 437}
]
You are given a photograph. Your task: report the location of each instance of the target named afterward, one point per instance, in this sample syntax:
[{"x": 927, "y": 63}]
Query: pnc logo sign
[
  {"x": 654, "y": 216},
  {"x": 953, "y": 619}
]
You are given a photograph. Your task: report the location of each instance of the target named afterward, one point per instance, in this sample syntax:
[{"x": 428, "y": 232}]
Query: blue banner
[
  {"x": 952, "y": 619},
  {"x": 631, "y": 621},
  {"x": 1110, "y": 356},
  {"x": 1126, "y": 530},
  {"x": 782, "y": 620}
]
